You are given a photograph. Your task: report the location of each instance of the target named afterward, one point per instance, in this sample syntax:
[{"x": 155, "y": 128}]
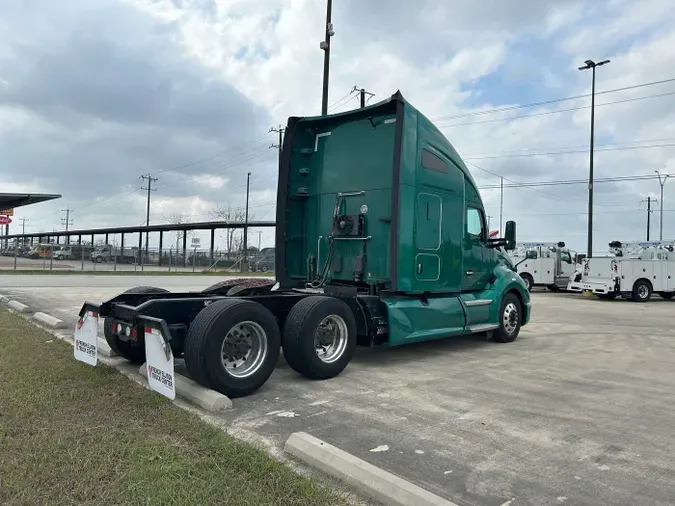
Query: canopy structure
[{"x": 12, "y": 200}]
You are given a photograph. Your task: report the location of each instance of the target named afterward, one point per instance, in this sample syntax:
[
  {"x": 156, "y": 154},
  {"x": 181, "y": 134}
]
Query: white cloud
[{"x": 447, "y": 59}]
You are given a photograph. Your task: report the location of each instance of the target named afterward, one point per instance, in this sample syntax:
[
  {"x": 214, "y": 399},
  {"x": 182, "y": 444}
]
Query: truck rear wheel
[
  {"x": 642, "y": 291},
  {"x": 126, "y": 349},
  {"x": 510, "y": 319},
  {"x": 528, "y": 281},
  {"x": 319, "y": 337},
  {"x": 233, "y": 346},
  {"x": 667, "y": 295}
]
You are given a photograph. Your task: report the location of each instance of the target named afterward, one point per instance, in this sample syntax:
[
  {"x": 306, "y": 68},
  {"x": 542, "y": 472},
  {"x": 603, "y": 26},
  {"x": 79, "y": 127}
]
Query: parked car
[{"x": 264, "y": 260}]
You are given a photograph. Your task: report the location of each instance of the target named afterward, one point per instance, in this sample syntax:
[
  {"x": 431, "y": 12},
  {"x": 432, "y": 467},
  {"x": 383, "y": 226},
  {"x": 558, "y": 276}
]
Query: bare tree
[
  {"x": 177, "y": 219},
  {"x": 233, "y": 236}
]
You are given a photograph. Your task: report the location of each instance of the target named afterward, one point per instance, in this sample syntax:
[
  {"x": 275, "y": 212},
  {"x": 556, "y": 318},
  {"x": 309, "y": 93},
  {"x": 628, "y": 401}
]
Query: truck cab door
[{"x": 474, "y": 251}]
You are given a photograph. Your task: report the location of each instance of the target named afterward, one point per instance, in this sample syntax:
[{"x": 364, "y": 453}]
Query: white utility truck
[
  {"x": 547, "y": 264},
  {"x": 635, "y": 271}
]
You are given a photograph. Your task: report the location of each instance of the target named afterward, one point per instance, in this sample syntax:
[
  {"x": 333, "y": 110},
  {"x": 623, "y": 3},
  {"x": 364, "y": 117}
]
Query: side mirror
[
  {"x": 531, "y": 254},
  {"x": 510, "y": 235}
]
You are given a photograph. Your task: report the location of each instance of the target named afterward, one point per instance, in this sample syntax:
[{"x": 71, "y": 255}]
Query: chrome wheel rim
[
  {"x": 330, "y": 338},
  {"x": 244, "y": 349},
  {"x": 643, "y": 291},
  {"x": 510, "y": 318}
]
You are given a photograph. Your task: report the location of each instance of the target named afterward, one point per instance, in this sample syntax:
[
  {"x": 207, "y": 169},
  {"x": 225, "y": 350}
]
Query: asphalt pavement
[{"x": 577, "y": 411}]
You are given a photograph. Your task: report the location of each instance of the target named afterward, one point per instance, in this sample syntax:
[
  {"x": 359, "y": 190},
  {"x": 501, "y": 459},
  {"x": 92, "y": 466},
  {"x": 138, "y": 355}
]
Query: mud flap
[
  {"x": 158, "y": 356},
  {"x": 86, "y": 337}
]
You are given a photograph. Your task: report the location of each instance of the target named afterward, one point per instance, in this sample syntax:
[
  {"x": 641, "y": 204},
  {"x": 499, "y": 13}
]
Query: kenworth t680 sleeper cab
[{"x": 381, "y": 239}]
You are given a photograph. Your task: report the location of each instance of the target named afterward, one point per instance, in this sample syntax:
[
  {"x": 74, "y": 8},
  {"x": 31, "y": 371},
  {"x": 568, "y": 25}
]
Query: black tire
[
  {"x": 553, "y": 288},
  {"x": 667, "y": 295},
  {"x": 528, "y": 281},
  {"x": 509, "y": 321},
  {"x": 299, "y": 330},
  {"x": 642, "y": 291},
  {"x": 606, "y": 296},
  {"x": 204, "y": 341},
  {"x": 125, "y": 349}
]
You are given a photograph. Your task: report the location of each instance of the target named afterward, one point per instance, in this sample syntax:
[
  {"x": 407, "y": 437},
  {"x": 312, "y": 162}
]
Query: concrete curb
[
  {"x": 104, "y": 349},
  {"x": 49, "y": 320},
  {"x": 205, "y": 398},
  {"x": 373, "y": 481},
  {"x": 18, "y": 306}
]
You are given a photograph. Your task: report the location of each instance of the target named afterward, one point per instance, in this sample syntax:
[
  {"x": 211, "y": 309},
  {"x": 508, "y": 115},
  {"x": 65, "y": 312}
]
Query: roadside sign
[
  {"x": 159, "y": 364},
  {"x": 4, "y": 220},
  {"x": 86, "y": 338},
  {"x": 7, "y": 212},
  {"x": 196, "y": 241}
]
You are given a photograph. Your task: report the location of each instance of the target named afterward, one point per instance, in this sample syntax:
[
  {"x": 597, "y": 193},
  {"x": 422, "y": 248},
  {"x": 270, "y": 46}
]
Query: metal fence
[
  {"x": 113, "y": 249},
  {"x": 53, "y": 257}
]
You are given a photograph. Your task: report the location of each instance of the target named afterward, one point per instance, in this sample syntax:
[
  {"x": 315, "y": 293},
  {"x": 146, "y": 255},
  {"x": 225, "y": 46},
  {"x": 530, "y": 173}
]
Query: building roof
[{"x": 10, "y": 200}]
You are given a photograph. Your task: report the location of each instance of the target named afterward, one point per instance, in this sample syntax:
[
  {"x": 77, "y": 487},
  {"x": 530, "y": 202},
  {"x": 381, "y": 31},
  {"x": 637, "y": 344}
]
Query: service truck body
[
  {"x": 381, "y": 239},
  {"x": 635, "y": 271},
  {"x": 544, "y": 264}
]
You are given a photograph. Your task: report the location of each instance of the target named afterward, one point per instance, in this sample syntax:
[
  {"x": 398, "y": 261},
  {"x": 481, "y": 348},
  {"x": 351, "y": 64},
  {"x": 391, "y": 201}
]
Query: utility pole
[
  {"x": 279, "y": 145},
  {"x": 590, "y": 64},
  {"x": 501, "y": 204},
  {"x": 67, "y": 221},
  {"x": 325, "y": 45},
  {"x": 147, "y": 218},
  {"x": 661, "y": 182},
  {"x": 23, "y": 225},
  {"x": 248, "y": 187},
  {"x": 362, "y": 95},
  {"x": 649, "y": 213}
]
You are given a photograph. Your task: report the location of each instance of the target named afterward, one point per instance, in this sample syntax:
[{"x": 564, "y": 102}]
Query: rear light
[
  {"x": 113, "y": 327},
  {"x": 127, "y": 331},
  {"x": 133, "y": 333}
]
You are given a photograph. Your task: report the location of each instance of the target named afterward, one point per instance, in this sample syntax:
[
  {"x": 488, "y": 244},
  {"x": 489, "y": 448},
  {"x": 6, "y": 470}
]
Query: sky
[{"x": 95, "y": 94}]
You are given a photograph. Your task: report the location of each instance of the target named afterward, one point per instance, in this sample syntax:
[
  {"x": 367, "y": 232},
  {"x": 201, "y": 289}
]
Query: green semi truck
[{"x": 381, "y": 240}]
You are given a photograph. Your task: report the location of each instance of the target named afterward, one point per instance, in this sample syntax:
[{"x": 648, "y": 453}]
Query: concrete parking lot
[{"x": 578, "y": 410}]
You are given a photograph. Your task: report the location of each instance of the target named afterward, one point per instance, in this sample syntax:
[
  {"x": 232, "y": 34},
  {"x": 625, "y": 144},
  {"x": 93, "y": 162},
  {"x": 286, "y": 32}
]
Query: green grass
[
  {"x": 135, "y": 273},
  {"x": 72, "y": 434}
]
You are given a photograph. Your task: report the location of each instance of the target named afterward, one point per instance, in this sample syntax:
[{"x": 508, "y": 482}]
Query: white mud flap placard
[
  {"x": 159, "y": 363},
  {"x": 86, "y": 338}
]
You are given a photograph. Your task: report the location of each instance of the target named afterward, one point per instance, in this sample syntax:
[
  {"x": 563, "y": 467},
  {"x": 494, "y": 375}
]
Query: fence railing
[{"x": 53, "y": 257}]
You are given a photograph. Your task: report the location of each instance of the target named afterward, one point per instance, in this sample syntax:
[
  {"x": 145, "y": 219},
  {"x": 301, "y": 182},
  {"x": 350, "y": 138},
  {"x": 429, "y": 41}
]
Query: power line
[
  {"x": 552, "y": 101},
  {"x": 558, "y": 111},
  {"x": 614, "y": 179},
  {"x": 515, "y": 184},
  {"x": 215, "y": 155},
  {"x": 526, "y": 151},
  {"x": 570, "y": 152},
  {"x": 342, "y": 101}
]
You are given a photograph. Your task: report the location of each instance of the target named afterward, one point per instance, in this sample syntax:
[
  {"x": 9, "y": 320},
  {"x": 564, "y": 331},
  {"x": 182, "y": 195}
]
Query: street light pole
[
  {"x": 325, "y": 45},
  {"x": 590, "y": 64},
  {"x": 662, "y": 182}
]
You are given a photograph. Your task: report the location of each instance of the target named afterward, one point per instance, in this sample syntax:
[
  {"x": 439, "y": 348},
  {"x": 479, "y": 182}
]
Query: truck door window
[
  {"x": 565, "y": 257},
  {"x": 432, "y": 162},
  {"x": 475, "y": 223}
]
